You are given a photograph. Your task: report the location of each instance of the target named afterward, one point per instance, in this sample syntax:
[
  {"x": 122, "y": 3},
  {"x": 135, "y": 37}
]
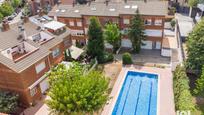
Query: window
[
  {"x": 153, "y": 33},
  {"x": 87, "y": 21},
  {"x": 79, "y": 24},
  {"x": 67, "y": 43},
  {"x": 148, "y": 22},
  {"x": 33, "y": 91},
  {"x": 158, "y": 22},
  {"x": 125, "y": 31},
  {"x": 71, "y": 23},
  {"x": 126, "y": 21},
  {"x": 55, "y": 52},
  {"x": 40, "y": 67}
]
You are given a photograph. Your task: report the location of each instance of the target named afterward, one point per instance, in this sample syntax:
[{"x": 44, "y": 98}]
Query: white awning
[
  {"x": 54, "y": 25},
  {"x": 201, "y": 7},
  {"x": 38, "y": 81},
  {"x": 75, "y": 52}
]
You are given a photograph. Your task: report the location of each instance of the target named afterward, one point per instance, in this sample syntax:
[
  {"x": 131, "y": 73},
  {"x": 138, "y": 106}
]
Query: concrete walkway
[{"x": 39, "y": 109}]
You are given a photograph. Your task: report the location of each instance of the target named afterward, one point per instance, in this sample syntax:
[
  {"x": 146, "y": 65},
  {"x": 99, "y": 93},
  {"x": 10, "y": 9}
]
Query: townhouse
[
  {"x": 27, "y": 51},
  {"x": 76, "y": 17},
  {"x": 46, "y": 5},
  {"x": 36, "y": 5}
]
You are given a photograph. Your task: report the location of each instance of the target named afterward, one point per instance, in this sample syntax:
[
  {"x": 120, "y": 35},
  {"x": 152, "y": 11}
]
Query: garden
[
  {"x": 10, "y": 8},
  {"x": 189, "y": 78}
]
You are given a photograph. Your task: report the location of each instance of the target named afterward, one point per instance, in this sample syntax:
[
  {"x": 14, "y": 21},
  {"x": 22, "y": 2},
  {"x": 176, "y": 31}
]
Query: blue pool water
[{"x": 138, "y": 95}]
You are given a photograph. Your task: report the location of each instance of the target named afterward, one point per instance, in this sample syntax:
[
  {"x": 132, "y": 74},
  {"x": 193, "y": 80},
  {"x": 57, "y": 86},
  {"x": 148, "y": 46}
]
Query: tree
[
  {"x": 16, "y": 3},
  {"x": 1, "y": 17},
  {"x": 195, "y": 47},
  {"x": 73, "y": 92},
  {"x": 6, "y": 9},
  {"x": 182, "y": 96},
  {"x": 95, "y": 46},
  {"x": 136, "y": 32},
  {"x": 199, "y": 90},
  {"x": 26, "y": 10},
  {"x": 8, "y": 102},
  {"x": 192, "y": 3},
  {"x": 112, "y": 35}
]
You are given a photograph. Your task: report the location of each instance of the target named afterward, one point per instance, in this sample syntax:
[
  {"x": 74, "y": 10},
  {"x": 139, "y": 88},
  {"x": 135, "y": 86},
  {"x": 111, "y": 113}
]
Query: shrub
[
  {"x": 6, "y": 9},
  {"x": 182, "y": 96},
  {"x": 199, "y": 90},
  {"x": 106, "y": 57},
  {"x": 8, "y": 102},
  {"x": 127, "y": 59},
  {"x": 173, "y": 23}
]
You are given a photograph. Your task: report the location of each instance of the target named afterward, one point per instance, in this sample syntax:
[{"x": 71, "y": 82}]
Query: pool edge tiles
[{"x": 138, "y": 94}]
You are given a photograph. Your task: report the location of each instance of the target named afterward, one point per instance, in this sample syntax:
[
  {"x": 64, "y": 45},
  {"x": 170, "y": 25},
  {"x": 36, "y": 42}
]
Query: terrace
[
  {"x": 55, "y": 27},
  {"x": 41, "y": 37},
  {"x": 20, "y": 51}
]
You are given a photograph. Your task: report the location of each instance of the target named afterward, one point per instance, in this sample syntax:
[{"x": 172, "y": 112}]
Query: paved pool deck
[{"x": 165, "y": 89}]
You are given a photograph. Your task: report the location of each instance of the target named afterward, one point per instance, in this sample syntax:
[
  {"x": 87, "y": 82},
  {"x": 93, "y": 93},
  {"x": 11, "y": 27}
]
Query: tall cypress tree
[
  {"x": 136, "y": 32},
  {"x": 95, "y": 46}
]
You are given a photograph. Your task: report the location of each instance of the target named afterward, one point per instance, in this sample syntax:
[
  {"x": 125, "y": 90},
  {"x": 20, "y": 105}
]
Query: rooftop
[
  {"x": 21, "y": 49},
  {"x": 112, "y": 9}
]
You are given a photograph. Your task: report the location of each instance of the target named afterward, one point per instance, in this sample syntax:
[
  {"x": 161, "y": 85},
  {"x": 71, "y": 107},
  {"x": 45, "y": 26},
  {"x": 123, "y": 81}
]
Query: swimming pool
[{"x": 138, "y": 95}]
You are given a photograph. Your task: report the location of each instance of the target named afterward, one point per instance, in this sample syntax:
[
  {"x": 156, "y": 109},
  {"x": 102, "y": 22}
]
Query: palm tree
[{"x": 112, "y": 35}]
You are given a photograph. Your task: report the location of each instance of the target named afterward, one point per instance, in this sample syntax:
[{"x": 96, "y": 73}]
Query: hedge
[{"x": 182, "y": 96}]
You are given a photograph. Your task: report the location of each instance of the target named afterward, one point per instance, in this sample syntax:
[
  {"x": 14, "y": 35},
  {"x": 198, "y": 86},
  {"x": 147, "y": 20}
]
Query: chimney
[
  {"x": 145, "y": 1},
  {"x": 125, "y": 1},
  {"x": 89, "y": 2},
  {"x": 106, "y": 2},
  {"x": 73, "y": 3},
  {"x": 40, "y": 12},
  {"x": 5, "y": 25},
  {"x": 22, "y": 33},
  {"x": 59, "y": 2}
]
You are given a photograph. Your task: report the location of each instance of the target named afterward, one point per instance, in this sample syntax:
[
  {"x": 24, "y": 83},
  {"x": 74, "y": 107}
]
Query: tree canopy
[
  {"x": 193, "y": 3},
  {"x": 112, "y": 35},
  {"x": 136, "y": 32},
  {"x": 199, "y": 90},
  {"x": 6, "y": 9},
  {"x": 73, "y": 92},
  {"x": 8, "y": 102},
  {"x": 16, "y": 3},
  {"x": 95, "y": 47},
  {"x": 195, "y": 47}
]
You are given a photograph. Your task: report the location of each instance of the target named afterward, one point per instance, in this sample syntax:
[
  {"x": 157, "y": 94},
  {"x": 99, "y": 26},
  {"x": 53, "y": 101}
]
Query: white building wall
[{"x": 166, "y": 52}]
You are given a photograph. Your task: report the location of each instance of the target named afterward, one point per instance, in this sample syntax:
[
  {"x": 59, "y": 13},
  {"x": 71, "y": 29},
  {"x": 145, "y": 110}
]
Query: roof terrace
[
  {"x": 18, "y": 52},
  {"x": 41, "y": 37}
]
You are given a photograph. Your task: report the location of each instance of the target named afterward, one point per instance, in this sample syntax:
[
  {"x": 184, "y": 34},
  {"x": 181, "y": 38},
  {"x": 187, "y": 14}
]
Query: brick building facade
[
  {"x": 41, "y": 50},
  {"x": 77, "y": 19}
]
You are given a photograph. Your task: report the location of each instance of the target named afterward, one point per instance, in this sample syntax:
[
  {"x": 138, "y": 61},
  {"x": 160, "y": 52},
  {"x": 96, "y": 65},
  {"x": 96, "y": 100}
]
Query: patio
[
  {"x": 148, "y": 57},
  {"x": 166, "y": 99}
]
